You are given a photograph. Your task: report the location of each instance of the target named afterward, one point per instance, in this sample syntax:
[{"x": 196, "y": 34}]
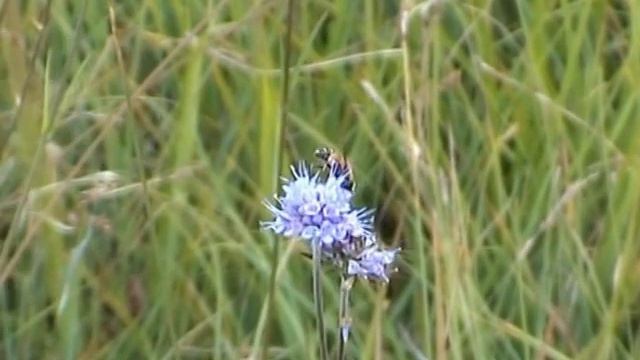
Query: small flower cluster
[{"x": 318, "y": 208}]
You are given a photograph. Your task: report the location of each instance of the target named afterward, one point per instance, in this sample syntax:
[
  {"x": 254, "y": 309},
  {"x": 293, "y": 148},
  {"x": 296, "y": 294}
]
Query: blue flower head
[
  {"x": 319, "y": 210},
  {"x": 373, "y": 263}
]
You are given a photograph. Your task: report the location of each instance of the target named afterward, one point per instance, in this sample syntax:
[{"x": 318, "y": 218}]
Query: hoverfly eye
[{"x": 322, "y": 153}]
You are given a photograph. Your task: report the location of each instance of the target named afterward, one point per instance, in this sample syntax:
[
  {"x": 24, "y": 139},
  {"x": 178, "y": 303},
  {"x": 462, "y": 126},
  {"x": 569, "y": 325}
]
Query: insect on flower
[
  {"x": 338, "y": 165},
  {"x": 318, "y": 210}
]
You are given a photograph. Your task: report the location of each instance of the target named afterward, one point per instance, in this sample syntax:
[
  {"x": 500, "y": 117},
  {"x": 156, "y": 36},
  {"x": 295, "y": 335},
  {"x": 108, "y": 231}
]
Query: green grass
[{"x": 498, "y": 141}]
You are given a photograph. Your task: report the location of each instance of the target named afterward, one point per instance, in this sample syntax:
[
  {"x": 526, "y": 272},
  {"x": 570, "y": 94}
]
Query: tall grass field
[{"x": 497, "y": 141}]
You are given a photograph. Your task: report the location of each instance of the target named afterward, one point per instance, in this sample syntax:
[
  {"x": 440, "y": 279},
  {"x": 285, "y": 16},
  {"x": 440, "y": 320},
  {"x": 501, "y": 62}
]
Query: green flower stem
[
  {"x": 317, "y": 296},
  {"x": 344, "y": 319}
]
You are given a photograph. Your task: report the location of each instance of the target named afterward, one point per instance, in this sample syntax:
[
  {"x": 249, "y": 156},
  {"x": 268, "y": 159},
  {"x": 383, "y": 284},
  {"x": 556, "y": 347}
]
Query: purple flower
[
  {"x": 319, "y": 210},
  {"x": 373, "y": 263}
]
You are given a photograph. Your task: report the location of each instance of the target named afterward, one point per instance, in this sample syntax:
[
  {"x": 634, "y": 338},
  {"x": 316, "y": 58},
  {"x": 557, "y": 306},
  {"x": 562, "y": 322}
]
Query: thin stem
[
  {"x": 344, "y": 319},
  {"x": 317, "y": 297},
  {"x": 414, "y": 153}
]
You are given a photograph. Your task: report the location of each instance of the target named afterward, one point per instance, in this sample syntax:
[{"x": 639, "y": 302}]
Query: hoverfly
[{"x": 337, "y": 164}]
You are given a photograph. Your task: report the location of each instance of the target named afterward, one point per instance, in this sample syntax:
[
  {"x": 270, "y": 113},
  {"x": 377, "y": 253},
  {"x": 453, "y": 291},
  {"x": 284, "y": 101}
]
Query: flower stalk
[
  {"x": 317, "y": 297},
  {"x": 344, "y": 318}
]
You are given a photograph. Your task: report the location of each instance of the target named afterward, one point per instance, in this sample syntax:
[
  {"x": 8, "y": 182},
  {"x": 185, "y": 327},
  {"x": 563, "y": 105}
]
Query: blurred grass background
[{"x": 498, "y": 141}]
